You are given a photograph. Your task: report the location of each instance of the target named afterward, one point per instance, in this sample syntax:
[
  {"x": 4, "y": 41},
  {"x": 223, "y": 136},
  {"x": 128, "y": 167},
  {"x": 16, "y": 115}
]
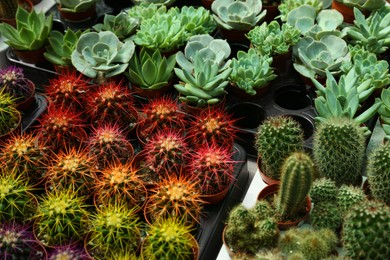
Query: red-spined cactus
[
  {"x": 120, "y": 183},
  {"x": 166, "y": 152},
  {"x": 72, "y": 168},
  {"x": 176, "y": 196},
  {"x": 213, "y": 166},
  {"x": 67, "y": 90},
  {"x": 159, "y": 114},
  {"x": 111, "y": 102},
  {"x": 24, "y": 155},
  {"x": 108, "y": 144},
  {"x": 213, "y": 125},
  {"x": 61, "y": 127}
]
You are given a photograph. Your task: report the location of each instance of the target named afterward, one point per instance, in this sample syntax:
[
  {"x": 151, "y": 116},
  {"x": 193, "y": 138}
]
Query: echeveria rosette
[
  {"x": 314, "y": 57},
  {"x": 163, "y": 32},
  {"x": 101, "y": 55},
  {"x": 145, "y": 11},
  {"x": 156, "y": 2},
  {"x": 251, "y": 71},
  {"x": 369, "y": 5},
  {"x": 273, "y": 39},
  {"x": 240, "y": 15},
  {"x": 75, "y": 6},
  {"x": 288, "y": 5},
  {"x": 122, "y": 25}
]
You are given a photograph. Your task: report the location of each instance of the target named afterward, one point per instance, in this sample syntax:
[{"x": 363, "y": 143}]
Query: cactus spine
[
  {"x": 276, "y": 139},
  {"x": 326, "y": 214},
  {"x": 365, "y": 232},
  {"x": 323, "y": 190},
  {"x": 338, "y": 148},
  {"x": 68, "y": 252},
  {"x": 296, "y": 181},
  {"x": 378, "y": 173},
  {"x": 347, "y": 197}
]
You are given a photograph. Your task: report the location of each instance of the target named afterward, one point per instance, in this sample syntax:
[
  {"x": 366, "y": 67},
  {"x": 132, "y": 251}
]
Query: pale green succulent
[
  {"x": 306, "y": 19},
  {"x": 145, "y": 11},
  {"x": 314, "y": 57},
  {"x": 150, "y": 70},
  {"x": 251, "y": 71},
  {"x": 240, "y": 15},
  {"x": 384, "y": 112},
  {"x": 31, "y": 32},
  {"x": 204, "y": 70},
  {"x": 288, "y": 5},
  {"x": 101, "y": 55},
  {"x": 273, "y": 39},
  {"x": 369, "y": 5},
  {"x": 372, "y": 33},
  {"x": 163, "y": 32},
  {"x": 122, "y": 25},
  {"x": 75, "y": 6},
  {"x": 156, "y": 2}
]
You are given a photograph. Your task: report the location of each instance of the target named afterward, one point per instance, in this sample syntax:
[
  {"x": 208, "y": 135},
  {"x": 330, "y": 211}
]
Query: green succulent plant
[
  {"x": 273, "y": 39},
  {"x": 204, "y": 70},
  {"x": 62, "y": 46},
  {"x": 378, "y": 171},
  {"x": 367, "y": 224},
  {"x": 251, "y": 71},
  {"x": 122, "y": 25},
  {"x": 146, "y": 11},
  {"x": 240, "y": 15},
  {"x": 369, "y": 5},
  {"x": 314, "y": 57},
  {"x": 347, "y": 197},
  {"x": 150, "y": 70},
  {"x": 384, "y": 112},
  {"x": 326, "y": 215},
  {"x": 75, "y": 6},
  {"x": 101, "y": 55},
  {"x": 31, "y": 32},
  {"x": 9, "y": 114},
  {"x": 286, "y": 6},
  {"x": 156, "y": 2},
  {"x": 373, "y": 33}
]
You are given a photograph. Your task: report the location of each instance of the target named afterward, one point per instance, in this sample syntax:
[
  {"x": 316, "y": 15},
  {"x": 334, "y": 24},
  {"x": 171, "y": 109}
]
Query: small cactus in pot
[{"x": 68, "y": 252}]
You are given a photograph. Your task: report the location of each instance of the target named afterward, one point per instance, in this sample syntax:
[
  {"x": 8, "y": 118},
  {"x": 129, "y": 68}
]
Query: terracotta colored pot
[
  {"x": 234, "y": 35},
  {"x": 272, "y": 12},
  {"x": 284, "y": 225},
  {"x": 215, "y": 198},
  {"x": 193, "y": 110},
  {"x": 151, "y": 93},
  {"x": 264, "y": 177},
  {"x": 241, "y": 94},
  {"x": 33, "y": 57},
  {"x": 207, "y": 3},
  {"x": 29, "y": 101},
  {"x": 77, "y": 17},
  {"x": 27, "y": 4},
  {"x": 229, "y": 251},
  {"x": 17, "y": 130},
  {"x": 281, "y": 62},
  {"x": 346, "y": 11}
]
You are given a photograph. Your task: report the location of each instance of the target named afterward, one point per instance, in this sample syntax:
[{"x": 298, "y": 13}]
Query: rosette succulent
[
  {"x": 240, "y": 15},
  {"x": 314, "y": 57},
  {"x": 122, "y": 25},
  {"x": 251, "y": 71},
  {"x": 101, "y": 55},
  {"x": 75, "y": 6},
  {"x": 156, "y": 2},
  {"x": 146, "y": 11},
  {"x": 287, "y": 6}
]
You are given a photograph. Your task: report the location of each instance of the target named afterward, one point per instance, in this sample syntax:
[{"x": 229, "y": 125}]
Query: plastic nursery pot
[
  {"x": 26, "y": 4},
  {"x": 241, "y": 94},
  {"x": 17, "y": 130},
  {"x": 306, "y": 125},
  {"x": 281, "y": 62},
  {"x": 193, "y": 110},
  {"x": 34, "y": 56},
  {"x": 77, "y": 17},
  {"x": 272, "y": 12},
  {"x": 309, "y": 82},
  {"x": 207, "y": 3},
  {"x": 234, "y": 35},
  {"x": 229, "y": 251},
  {"x": 292, "y": 97},
  {"x": 217, "y": 197},
  {"x": 265, "y": 178},
  {"x": 346, "y": 11},
  {"x": 270, "y": 190},
  {"x": 151, "y": 93},
  {"x": 28, "y": 101}
]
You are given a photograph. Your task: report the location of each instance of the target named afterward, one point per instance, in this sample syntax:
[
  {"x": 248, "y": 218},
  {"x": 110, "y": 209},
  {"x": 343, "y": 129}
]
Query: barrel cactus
[
  {"x": 326, "y": 215},
  {"x": 323, "y": 190},
  {"x": 347, "y": 197}
]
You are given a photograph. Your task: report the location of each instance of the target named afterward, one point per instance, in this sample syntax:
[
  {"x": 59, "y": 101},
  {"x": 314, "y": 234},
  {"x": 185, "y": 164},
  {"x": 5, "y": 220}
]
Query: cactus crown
[
  {"x": 296, "y": 181},
  {"x": 69, "y": 252},
  {"x": 347, "y": 197},
  {"x": 326, "y": 215},
  {"x": 169, "y": 239},
  {"x": 277, "y": 137},
  {"x": 323, "y": 189},
  {"x": 378, "y": 173}
]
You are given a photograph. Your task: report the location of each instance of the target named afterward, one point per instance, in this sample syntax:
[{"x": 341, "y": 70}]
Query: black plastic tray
[{"x": 30, "y": 117}]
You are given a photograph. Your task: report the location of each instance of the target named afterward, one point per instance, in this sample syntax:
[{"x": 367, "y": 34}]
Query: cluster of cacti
[
  {"x": 212, "y": 126},
  {"x": 16, "y": 199},
  {"x": 108, "y": 144},
  {"x": 24, "y": 155},
  {"x": 120, "y": 183},
  {"x": 378, "y": 173},
  {"x": 111, "y": 102},
  {"x": 213, "y": 166},
  {"x": 61, "y": 217},
  {"x": 114, "y": 228},
  {"x": 251, "y": 230},
  {"x": 169, "y": 238},
  {"x": 71, "y": 168},
  {"x": 296, "y": 181},
  {"x": 365, "y": 231},
  {"x": 326, "y": 215},
  {"x": 323, "y": 189},
  {"x": 68, "y": 252},
  {"x": 338, "y": 148},
  {"x": 307, "y": 244},
  {"x": 176, "y": 196},
  {"x": 277, "y": 137}
]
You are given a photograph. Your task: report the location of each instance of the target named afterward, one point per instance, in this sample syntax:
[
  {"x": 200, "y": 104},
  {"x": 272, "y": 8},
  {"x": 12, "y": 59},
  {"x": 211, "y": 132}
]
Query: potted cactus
[
  {"x": 67, "y": 252},
  {"x": 384, "y": 113},
  {"x": 10, "y": 117},
  {"x": 76, "y": 10}
]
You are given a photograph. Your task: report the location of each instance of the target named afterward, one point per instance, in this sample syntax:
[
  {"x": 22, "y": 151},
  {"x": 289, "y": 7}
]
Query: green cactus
[
  {"x": 365, "y": 232},
  {"x": 263, "y": 209},
  {"x": 323, "y": 190},
  {"x": 16, "y": 199},
  {"x": 114, "y": 228},
  {"x": 277, "y": 138},
  {"x": 169, "y": 239},
  {"x": 338, "y": 148},
  {"x": 296, "y": 181},
  {"x": 61, "y": 217},
  {"x": 347, "y": 197},
  {"x": 326, "y": 215},
  {"x": 378, "y": 173}
]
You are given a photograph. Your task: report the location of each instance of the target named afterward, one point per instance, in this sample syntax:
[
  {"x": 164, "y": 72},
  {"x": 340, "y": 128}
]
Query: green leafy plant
[
  {"x": 273, "y": 39},
  {"x": 75, "y": 6},
  {"x": 237, "y": 15},
  {"x": 9, "y": 115},
  {"x": 101, "y": 55},
  {"x": 122, "y": 25},
  {"x": 151, "y": 70},
  {"x": 286, "y": 6},
  {"x": 384, "y": 112},
  {"x": 146, "y": 11},
  {"x": 31, "y": 32},
  {"x": 156, "y": 2},
  {"x": 372, "y": 33},
  {"x": 369, "y": 5},
  {"x": 251, "y": 71}
]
